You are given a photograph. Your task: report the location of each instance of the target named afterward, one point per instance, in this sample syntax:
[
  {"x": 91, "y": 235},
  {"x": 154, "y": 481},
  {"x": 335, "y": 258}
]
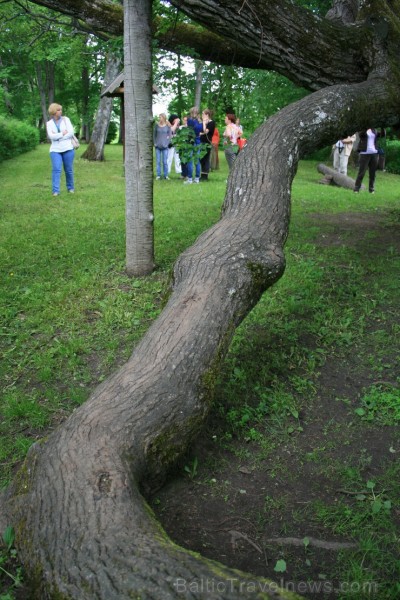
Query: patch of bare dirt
[{"x": 250, "y": 514}]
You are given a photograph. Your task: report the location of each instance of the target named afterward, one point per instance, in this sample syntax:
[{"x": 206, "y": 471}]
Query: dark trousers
[
  {"x": 370, "y": 162},
  {"x": 184, "y": 169},
  {"x": 205, "y": 164}
]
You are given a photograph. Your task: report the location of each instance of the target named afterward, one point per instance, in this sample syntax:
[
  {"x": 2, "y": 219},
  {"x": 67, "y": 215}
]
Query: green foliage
[
  {"x": 16, "y": 138},
  {"x": 251, "y": 94},
  {"x": 380, "y": 403},
  {"x": 280, "y": 566},
  {"x": 323, "y": 155},
  {"x": 41, "y": 56},
  {"x": 184, "y": 144},
  {"x": 112, "y": 132},
  {"x": 9, "y": 537},
  {"x": 392, "y": 154},
  {"x": 68, "y": 312},
  {"x": 9, "y": 567},
  {"x": 191, "y": 469}
]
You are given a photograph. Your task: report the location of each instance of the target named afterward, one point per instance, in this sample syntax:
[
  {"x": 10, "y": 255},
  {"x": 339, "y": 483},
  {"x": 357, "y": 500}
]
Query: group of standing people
[
  {"x": 193, "y": 144},
  {"x": 368, "y": 152},
  {"x": 187, "y": 143}
]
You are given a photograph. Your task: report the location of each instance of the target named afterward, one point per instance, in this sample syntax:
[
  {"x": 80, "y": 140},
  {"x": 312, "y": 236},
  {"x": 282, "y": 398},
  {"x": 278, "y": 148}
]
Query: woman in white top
[
  {"x": 60, "y": 132},
  {"x": 369, "y": 158}
]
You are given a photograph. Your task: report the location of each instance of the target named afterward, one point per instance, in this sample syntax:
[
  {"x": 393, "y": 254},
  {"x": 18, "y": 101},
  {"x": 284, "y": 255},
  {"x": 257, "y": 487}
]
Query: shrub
[
  {"x": 16, "y": 138},
  {"x": 392, "y": 154},
  {"x": 323, "y": 155},
  {"x": 112, "y": 132}
]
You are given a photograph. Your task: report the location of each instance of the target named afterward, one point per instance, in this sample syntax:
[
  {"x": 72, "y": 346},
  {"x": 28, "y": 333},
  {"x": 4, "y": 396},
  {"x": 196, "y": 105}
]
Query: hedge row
[
  {"x": 392, "y": 153},
  {"x": 16, "y": 138}
]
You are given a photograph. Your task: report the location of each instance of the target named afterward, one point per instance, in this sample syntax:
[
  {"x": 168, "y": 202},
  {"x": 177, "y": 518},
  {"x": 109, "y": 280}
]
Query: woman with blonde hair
[
  {"x": 162, "y": 135},
  {"x": 60, "y": 132}
]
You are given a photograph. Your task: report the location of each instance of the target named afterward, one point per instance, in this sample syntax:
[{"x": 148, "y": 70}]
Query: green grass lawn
[{"x": 69, "y": 315}]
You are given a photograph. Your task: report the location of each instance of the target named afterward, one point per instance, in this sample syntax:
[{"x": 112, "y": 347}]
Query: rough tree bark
[
  {"x": 82, "y": 527},
  {"x": 138, "y": 137}
]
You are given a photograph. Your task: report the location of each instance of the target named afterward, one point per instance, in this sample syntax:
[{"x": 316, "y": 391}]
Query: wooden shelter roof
[{"x": 116, "y": 88}]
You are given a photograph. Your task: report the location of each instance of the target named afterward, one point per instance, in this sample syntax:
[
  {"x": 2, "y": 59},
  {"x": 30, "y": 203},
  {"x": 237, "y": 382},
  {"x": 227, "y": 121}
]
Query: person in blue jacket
[{"x": 196, "y": 124}]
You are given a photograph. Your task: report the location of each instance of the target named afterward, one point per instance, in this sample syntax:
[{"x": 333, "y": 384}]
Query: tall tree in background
[
  {"x": 199, "y": 82},
  {"x": 95, "y": 148},
  {"x": 45, "y": 74},
  {"x": 77, "y": 499}
]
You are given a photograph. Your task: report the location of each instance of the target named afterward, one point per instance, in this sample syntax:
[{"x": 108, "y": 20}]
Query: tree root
[{"x": 292, "y": 541}]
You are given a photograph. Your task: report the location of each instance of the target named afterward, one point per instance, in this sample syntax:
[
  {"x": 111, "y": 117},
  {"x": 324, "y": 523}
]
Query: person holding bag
[{"x": 60, "y": 132}]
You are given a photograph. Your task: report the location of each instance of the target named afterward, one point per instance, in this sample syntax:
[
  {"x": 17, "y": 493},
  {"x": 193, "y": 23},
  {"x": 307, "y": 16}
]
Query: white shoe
[
  {"x": 197, "y": 180},
  {"x": 167, "y": 178},
  {"x": 188, "y": 181},
  {"x": 158, "y": 177}
]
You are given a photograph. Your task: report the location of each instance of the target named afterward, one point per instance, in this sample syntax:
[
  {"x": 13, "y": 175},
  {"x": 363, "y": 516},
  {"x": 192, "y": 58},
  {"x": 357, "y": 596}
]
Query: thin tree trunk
[
  {"x": 180, "y": 97},
  {"x": 45, "y": 75},
  {"x": 41, "y": 83},
  {"x": 85, "y": 125},
  {"x": 199, "y": 82},
  {"x": 51, "y": 80},
  {"x": 138, "y": 137}
]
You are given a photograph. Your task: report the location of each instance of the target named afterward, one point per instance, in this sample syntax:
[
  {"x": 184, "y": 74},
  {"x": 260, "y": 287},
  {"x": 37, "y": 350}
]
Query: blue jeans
[
  {"x": 162, "y": 156},
  {"x": 196, "y": 160},
  {"x": 58, "y": 159}
]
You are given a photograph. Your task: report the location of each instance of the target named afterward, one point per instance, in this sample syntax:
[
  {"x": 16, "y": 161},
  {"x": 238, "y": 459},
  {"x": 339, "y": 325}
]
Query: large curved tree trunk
[{"x": 82, "y": 527}]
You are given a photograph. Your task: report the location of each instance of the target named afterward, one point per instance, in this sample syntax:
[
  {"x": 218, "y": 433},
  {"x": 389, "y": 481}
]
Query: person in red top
[
  {"x": 214, "y": 151},
  {"x": 231, "y": 134}
]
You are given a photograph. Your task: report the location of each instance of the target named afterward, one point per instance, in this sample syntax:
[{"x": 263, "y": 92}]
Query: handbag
[{"x": 75, "y": 142}]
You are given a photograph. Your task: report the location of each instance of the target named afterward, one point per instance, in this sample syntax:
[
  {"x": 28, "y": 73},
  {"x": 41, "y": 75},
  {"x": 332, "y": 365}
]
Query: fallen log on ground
[{"x": 336, "y": 178}]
